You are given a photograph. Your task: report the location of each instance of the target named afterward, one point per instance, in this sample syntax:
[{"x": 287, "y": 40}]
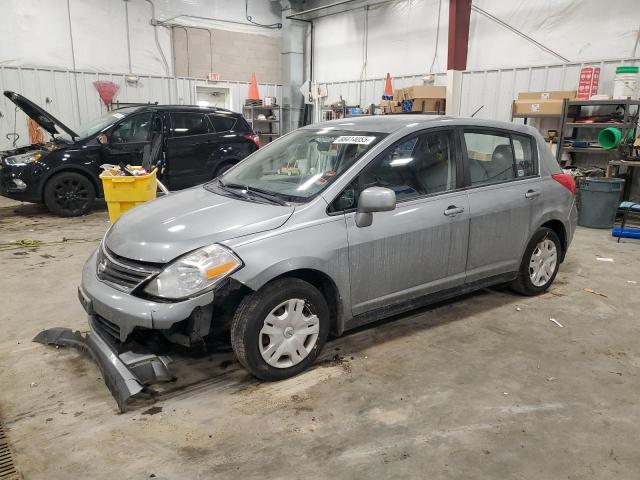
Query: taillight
[
  {"x": 254, "y": 138},
  {"x": 566, "y": 180}
]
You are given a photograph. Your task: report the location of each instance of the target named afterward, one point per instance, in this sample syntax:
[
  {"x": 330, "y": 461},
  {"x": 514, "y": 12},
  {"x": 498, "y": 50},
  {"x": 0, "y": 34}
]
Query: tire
[
  {"x": 546, "y": 246},
  {"x": 69, "y": 194},
  {"x": 260, "y": 327},
  {"x": 222, "y": 168}
]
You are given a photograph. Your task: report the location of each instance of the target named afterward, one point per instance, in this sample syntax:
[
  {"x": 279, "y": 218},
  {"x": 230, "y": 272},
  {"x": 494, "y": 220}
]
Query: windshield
[
  {"x": 98, "y": 124},
  {"x": 301, "y": 164}
]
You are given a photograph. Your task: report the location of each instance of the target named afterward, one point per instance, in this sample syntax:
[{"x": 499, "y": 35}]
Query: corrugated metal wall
[
  {"x": 495, "y": 89},
  {"x": 366, "y": 92},
  {"x": 72, "y": 98}
]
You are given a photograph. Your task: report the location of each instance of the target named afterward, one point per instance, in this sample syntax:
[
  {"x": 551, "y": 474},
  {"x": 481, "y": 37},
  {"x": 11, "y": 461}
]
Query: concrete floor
[{"x": 482, "y": 387}]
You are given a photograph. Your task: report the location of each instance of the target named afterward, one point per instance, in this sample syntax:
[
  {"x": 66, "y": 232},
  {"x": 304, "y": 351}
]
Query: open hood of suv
[
  {"x": 38, "y": 115},
  {"x": 168, "y": 227}
]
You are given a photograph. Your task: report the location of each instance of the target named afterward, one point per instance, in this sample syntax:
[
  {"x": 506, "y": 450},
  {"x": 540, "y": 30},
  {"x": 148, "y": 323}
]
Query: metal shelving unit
[
  {"x": 571, "y": 109},
  {"x": 269, "y": 128}
]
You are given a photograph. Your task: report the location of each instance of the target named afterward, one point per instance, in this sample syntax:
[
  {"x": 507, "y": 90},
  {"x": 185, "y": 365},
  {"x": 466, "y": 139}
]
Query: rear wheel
[
  {"x": 540, "y": 263},
  {"x": 279, "y": 331},
  {"x": 69, "y": 194},
  {"x": 222, "y": 168}
]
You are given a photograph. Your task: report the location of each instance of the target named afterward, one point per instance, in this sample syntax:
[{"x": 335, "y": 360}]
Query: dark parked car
[{"x": 190, "y": 145}]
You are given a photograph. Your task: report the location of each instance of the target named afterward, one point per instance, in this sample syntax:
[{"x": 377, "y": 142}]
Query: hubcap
[
  {"x": 543, "y": 262},
  {"x": 71, "y": 195},
  {"x": 289, "y": 333}
]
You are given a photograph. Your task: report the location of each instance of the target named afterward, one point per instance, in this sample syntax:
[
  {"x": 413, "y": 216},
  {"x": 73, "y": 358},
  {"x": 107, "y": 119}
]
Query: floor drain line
[{"x": 7, "y": 464}]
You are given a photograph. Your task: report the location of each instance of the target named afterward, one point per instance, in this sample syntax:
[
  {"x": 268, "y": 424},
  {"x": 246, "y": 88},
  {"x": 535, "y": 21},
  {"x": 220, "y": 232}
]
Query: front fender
[
  {"x": 91, "y": 173},
  {"x": 321, "y": 247}
]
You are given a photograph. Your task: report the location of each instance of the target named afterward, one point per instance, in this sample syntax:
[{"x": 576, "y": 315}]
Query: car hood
[
  {"x": 39, "y": 115},
  {"x": 166, "y": 228}
]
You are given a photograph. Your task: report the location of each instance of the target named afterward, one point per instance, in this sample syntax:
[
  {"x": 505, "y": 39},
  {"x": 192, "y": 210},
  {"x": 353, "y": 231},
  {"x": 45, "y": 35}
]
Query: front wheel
[
  {"x": 540, "y": 263},
  {"x": 69, "y": 194},
  {"x": 279, "y": 331}
]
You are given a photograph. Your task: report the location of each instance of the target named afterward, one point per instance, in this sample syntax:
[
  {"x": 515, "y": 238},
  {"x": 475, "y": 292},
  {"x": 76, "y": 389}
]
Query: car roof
[
  {"x": 392, "y": 123},
  {"x": 184, "y": 108}
]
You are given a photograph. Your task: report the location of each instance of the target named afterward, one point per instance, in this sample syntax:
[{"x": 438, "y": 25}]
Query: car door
[
  {"x": 188, "y": 148},
  {"x": 230, "y": 143},
  {"x": 127, "y": 140},
  {"x": 420, "y": 247},
  {"x": 504, "y": 188}
]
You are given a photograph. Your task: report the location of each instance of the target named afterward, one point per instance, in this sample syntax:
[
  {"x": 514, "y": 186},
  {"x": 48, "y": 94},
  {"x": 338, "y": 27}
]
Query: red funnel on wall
[{"x": 106, "y": 90}]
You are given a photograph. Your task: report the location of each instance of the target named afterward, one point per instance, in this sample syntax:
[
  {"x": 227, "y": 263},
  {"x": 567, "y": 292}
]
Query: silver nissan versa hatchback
[{"x": 332, "y": 226}]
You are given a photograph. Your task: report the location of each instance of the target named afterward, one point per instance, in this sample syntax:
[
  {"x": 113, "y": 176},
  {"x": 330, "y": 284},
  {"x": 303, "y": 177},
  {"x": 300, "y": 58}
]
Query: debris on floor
[
  {"x": 604, "y": 259},
  {"x": 556, "y": 322},
  {"x": 591, "y": 290}
]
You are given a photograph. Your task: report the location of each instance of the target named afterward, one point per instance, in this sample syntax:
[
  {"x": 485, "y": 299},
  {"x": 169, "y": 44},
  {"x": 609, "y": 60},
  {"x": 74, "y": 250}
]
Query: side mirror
[
  {"x": 102, "y": 139},
  {"x": 374, "y": 199}
]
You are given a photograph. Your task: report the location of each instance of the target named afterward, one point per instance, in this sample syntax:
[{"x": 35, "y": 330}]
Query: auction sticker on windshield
[{"x": 354, "y": 139}]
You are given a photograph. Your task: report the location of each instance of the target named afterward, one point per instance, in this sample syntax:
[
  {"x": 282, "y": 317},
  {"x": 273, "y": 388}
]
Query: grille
[
  {"x": 121, "y": 273},
  {"x": 7, "y": 465},
  {"x": 108, "y": 327}
]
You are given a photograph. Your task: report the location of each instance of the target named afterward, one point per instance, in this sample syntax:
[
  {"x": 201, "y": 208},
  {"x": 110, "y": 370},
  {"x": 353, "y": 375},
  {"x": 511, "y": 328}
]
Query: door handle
[
  {"x": 452, "y": 211},
  {"x": 532, "y": 194}
]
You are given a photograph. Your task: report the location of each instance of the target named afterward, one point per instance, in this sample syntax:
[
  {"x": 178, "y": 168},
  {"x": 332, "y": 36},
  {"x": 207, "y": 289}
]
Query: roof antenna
[{"x": 474, "y": 113}]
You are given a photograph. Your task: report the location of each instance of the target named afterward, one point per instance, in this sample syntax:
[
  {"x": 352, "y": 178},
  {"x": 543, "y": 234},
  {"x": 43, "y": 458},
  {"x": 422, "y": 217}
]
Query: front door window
[{"x": 134, "y": 129}]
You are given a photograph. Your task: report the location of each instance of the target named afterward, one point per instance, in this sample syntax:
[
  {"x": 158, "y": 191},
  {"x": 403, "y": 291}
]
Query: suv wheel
[
  {"x": 279, "y": 331},
  {"x": 69, "y": 194},
  {"x": 540, "y": 263},
  {"x": 222, "y": 168}
]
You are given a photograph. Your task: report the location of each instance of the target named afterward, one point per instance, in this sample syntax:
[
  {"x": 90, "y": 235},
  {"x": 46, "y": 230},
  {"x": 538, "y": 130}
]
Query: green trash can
[{"x": 599, "y": 200}]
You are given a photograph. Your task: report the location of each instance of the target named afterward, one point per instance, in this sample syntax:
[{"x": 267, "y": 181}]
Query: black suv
[{"x": 189, "y": 145}]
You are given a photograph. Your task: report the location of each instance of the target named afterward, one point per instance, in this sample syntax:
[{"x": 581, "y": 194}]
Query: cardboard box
[
  {"x": 549, "y": 95},
  {"x": 428, "y": 105},
  {"x": 396, "y": 108},
  {"x": 425, "y": 91},
  {"x": 532, "y": 108}
]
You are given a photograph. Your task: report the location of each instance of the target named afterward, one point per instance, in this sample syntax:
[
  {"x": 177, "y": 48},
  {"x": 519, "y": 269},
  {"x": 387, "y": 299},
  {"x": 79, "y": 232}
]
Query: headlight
[
  {"x": 194, "y": 273},
  {"x": 23, "y": 158}
]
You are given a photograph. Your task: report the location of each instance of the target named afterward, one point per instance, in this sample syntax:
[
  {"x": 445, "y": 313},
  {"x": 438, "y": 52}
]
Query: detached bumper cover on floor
[{"x": 126, "y": 374}]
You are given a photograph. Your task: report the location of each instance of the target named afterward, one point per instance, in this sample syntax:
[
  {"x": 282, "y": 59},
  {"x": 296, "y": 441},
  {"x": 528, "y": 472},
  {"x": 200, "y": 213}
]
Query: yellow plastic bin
[{"x": 122, "y": 193}]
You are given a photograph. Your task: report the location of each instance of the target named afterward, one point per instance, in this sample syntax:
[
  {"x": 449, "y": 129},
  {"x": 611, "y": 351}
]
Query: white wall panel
[
  {"x": 74, "y": 100},
  {"x": 401, "y": 36},
  {"x": 495, "y": 89},
  {"x": 370, "y": 91},
  {"x": 401, "y": 40},
  {"x": 37, "y": 32}
]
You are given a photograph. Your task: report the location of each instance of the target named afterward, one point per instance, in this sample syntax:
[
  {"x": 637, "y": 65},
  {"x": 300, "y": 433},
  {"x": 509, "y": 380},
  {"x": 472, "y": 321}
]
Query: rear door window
[
  {"x": 524, "y": 155},
  {"x": 222, "y": 123},
  {"x": 495, "y": 157},
  {"x": 186, "y": 124}
]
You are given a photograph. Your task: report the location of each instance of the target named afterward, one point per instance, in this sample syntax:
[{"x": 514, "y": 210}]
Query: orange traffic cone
[
  {"x": 388, "y": 89},
  {"x": 253, "y": 89}
]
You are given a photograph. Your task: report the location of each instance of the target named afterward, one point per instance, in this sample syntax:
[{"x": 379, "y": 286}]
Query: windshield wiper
[
  {"x": 233, "y": 192},
  {"x": 256, "y": 192}
]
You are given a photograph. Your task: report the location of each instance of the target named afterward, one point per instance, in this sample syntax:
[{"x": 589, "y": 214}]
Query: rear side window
[
  {"x": 524, "y": 155},
  {"x": 185, "y": 124},
  {"x": 221, "y": 123},
  {"x": 498, "y": 157}
]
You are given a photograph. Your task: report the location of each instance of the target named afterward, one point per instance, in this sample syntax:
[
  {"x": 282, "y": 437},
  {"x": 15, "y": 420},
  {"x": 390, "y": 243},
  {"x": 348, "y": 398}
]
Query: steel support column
[{"x": 459, "y": 14}]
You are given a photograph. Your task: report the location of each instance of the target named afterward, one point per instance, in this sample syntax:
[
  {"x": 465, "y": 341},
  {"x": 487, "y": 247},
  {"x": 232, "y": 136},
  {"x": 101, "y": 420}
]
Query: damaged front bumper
[{"x": 126, "y": 374}]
